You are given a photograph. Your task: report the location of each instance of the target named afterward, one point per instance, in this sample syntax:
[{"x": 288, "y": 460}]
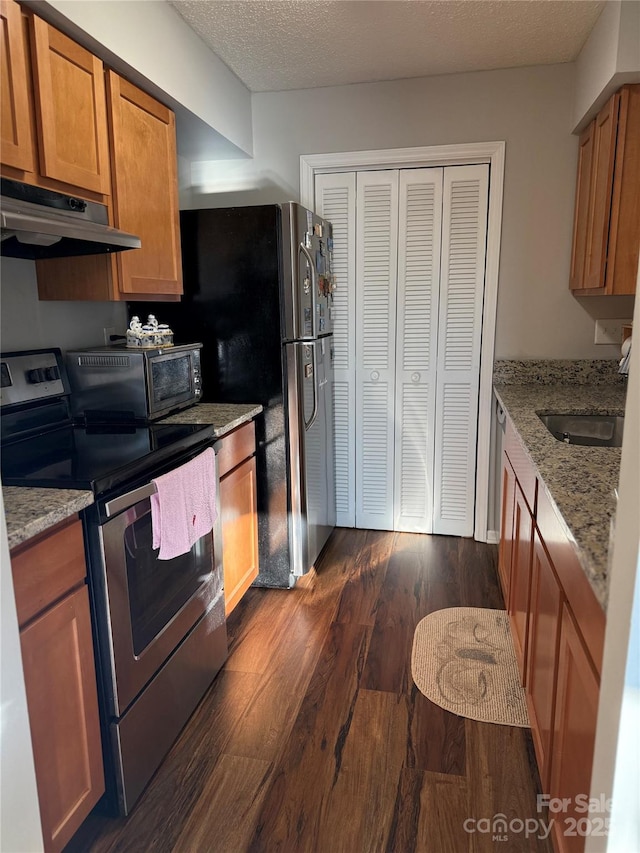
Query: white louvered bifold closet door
[
  {"x": 376, "y": 281},
  {"x": 464, "y": 230},
  {"x": 336, "y": 201},
  {"x": 420, "y": 226}
]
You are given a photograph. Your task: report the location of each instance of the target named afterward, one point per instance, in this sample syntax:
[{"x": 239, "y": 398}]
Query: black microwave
[{"x": 129, "y": 384}]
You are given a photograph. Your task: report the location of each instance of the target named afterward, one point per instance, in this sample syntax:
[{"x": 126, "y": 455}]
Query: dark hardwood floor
[{"x": 314, "y": 737}]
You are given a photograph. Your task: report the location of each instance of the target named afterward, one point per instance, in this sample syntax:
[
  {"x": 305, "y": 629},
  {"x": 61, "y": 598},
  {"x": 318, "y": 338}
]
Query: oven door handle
[{"x": 129, "y": 500}]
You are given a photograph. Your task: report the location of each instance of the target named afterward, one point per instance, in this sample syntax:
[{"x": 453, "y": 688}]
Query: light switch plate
[{"x": 609, "y": 332}]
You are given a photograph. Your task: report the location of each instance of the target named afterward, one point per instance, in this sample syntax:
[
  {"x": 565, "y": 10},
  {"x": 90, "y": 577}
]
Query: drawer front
[
  {"x": 522, "y": 466},
  {"x": 44, "y": 570},
  {"x": 235, "y": 447}
]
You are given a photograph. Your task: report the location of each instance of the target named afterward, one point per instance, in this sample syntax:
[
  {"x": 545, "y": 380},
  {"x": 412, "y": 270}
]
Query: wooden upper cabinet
[
  {"x": 70, "y": 110},
  {"x": 606, "y": 233},
  {"x": 18, "y": 149},
  {"x": 604, "y": 148},
  {"x": 624, "y": 232},
  {"x": 580, "y": 222},
  {"x": 144, "y": 201},
  {"x": 145, "y": 190}
]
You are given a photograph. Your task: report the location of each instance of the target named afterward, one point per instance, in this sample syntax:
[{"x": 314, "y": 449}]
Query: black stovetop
[{"x": 99, "y": 457}]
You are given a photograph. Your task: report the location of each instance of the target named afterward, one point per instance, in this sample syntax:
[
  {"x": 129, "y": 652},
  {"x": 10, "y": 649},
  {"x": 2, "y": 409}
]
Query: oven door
[{"x": 149, "y": 605}]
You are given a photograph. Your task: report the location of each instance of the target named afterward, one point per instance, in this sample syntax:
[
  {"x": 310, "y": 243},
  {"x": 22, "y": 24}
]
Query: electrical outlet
[
  {"x": 609, "y": 331},
  {"x": 111, "y": 330}
]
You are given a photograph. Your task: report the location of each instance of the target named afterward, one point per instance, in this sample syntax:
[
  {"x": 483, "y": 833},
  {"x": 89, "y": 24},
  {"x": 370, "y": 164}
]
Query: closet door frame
[{"x": 493, "y": 154}]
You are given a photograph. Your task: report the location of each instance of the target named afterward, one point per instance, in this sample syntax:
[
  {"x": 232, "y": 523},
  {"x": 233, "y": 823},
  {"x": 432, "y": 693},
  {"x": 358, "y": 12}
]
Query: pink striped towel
[{"x": 184, "y": 507}]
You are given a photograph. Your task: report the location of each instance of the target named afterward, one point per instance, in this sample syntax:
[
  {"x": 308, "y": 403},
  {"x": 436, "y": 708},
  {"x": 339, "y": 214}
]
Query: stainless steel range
[{"x": 159, "y": 625}]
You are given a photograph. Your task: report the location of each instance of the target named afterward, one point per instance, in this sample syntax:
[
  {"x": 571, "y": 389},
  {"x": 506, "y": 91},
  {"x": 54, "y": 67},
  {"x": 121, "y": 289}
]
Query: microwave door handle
[
  {"x": 129, "y": 500},
  {"x": 314, "y": 288}
]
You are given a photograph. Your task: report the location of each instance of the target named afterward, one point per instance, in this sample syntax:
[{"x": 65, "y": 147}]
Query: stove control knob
[
  {"x": 36, "y": 376},
  {"x": 51, "y": 374}
]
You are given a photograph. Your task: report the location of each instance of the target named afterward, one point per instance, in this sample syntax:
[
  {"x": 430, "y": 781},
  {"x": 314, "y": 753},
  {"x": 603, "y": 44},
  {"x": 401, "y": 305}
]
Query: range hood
[{"x": 38, "y": 223}]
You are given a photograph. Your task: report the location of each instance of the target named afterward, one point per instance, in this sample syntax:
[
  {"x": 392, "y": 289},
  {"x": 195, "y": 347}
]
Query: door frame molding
[{"x": 492, "y": 153}]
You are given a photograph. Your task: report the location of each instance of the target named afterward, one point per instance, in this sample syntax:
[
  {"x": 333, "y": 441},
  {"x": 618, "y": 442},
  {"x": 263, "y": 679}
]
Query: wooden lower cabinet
[
  {"x": 60, "y": 680},
  {"x": 520, "y": 584},
  {"x": 558, "y": 630},
  {"x": 505, "y": 552},
  {"x": 542, "y": 643},
  {"x": 577, "y": 692},
  {"x": 238, "y": 502}
]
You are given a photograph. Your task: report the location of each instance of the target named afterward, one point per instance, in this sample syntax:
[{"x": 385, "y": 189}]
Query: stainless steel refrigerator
[{"x": 258, "y": 294}]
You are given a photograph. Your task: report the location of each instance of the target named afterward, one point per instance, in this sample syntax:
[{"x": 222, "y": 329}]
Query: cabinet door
[
  {"x": 376, "y": 264},
  {"x": 574, "y": 730},
  {"x": 520, "y": 577},
  {"x": 464, "y": 239},
  {"x": 624, "y": 232},
  {"x": 70, "y": 110},
  {"x": 336, "y": 201},
  {"x": 506, "y": 527},
  {"x": 542, "y": 658},
  {"x": 145, "y": 190},
  {"x": 60, "y": 680},
  {"x": 581, "y": 214},
  {"x": 420, "y": 234},
  {"x": 239, "y": 531},
  {"x": 604, "y": 149},
  {"x": 16, "y": 131}
]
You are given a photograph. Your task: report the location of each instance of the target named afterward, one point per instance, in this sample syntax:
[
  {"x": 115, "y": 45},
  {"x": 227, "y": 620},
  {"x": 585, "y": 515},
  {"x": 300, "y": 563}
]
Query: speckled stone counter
[
  {"x": 579, "y": 480},
  {"x": 223, "y": 416},
  {"x": 32, "y": 511}
]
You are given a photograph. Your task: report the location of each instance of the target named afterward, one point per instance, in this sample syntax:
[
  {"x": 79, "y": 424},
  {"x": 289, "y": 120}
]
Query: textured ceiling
[{"x": 274, "y": 45}]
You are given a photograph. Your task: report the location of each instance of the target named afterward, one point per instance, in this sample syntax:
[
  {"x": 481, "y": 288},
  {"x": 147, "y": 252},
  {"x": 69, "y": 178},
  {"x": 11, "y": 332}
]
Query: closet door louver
[
  {"x": 420, "y": 229},
  {"x": 464, "y": 232},
  {"x": 376, "y": 278},
  {"x": 336, "y": 201}
]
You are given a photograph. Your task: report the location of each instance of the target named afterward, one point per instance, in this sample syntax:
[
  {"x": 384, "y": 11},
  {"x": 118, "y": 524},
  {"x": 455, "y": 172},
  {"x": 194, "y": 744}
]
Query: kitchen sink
[{"x": 593, "y": 430}]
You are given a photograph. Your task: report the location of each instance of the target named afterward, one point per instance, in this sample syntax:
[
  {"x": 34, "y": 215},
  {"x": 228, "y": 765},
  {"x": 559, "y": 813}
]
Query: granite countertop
[
  {"x": 30, "y": 511},
  {"x": 223, "y": 416},
  {"x": 579, "y": 480}
]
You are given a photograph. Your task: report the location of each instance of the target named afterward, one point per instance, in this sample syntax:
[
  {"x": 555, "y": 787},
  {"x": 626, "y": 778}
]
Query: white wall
[
  {"x": 609, "y": 58},
  {"x": 152, "y": 39},
  {"x": 614, "y": 755},
  {"x": 529, "y": 108},
  {"x": 27, "y": 323},
  {"x": 20, "y": 830}
]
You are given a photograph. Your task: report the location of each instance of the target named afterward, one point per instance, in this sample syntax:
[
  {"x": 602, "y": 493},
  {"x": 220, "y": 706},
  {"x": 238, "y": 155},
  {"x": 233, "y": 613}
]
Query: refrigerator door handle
[
  {"x": 314, "y": 288},
  {"x": 308, "y": 424}
]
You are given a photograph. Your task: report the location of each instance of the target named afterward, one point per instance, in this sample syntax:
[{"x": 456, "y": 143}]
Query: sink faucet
[{"x": 626, "y": 357}]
